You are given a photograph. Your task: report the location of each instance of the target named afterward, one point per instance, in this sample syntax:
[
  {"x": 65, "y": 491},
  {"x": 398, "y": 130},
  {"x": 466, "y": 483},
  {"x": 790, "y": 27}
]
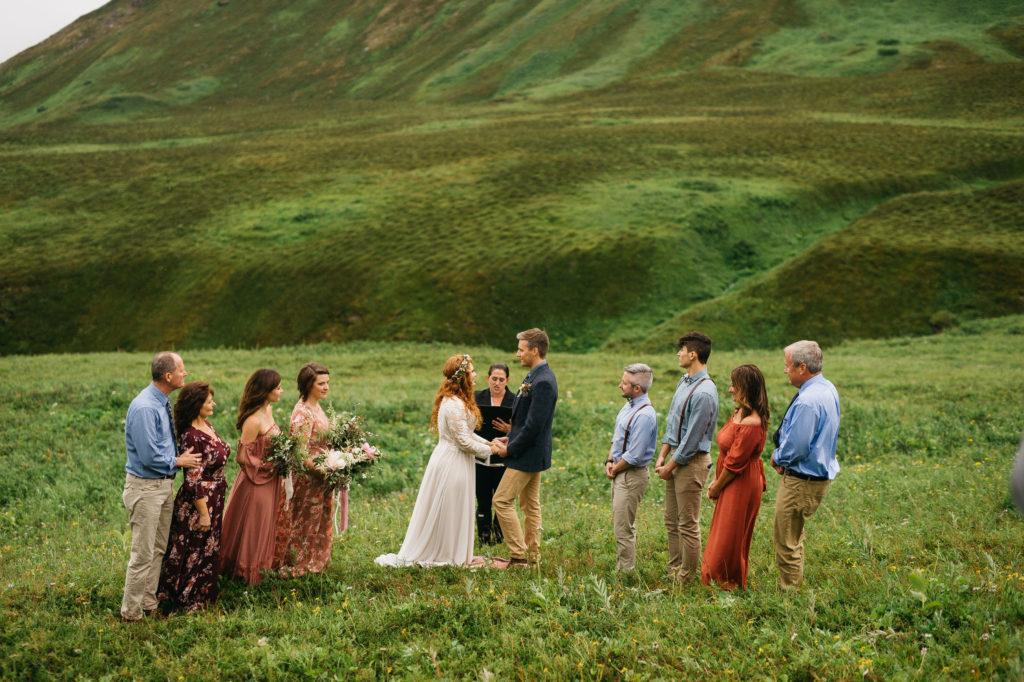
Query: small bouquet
[
  {"x": 286, "y": 453},
  {"x": 348, "y": 454}
]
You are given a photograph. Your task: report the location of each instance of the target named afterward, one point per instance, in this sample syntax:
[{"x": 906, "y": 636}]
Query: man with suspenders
[
  {"x": 690, "y": 428},
  {"x": 633, "y": 443}
]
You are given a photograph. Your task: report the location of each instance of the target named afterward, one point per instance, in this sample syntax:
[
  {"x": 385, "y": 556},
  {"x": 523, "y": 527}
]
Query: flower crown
[{"x": 463, "y": 366}]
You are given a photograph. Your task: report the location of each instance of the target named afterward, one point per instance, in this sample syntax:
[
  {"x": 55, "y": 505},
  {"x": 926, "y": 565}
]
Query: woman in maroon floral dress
[
  {"x": 304, "y": 533},
  {"x": 188, "y": 576}
]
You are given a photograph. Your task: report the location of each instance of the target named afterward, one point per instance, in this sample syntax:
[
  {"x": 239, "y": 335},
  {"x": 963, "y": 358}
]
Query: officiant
[{"x": 495, "y": 403}]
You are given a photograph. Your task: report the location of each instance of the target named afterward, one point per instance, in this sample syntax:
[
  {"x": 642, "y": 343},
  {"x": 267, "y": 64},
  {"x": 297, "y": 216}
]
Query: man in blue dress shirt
[
  {"x": 690, "y": 428},
  {"x": 633, "y": 443},
  {"x": 805, "y": 456},
  {"x": 153, "y": 460}
]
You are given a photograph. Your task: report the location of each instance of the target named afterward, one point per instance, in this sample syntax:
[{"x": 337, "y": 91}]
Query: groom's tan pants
[{"x": 524, "y": 485}]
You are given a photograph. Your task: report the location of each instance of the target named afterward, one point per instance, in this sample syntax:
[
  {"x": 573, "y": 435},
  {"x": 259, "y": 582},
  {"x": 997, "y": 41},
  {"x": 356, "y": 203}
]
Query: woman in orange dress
[
  {"x": 247, "y": 546},
  {"x": 304, "y": 532},
  {"x": 739, "y": 482}
]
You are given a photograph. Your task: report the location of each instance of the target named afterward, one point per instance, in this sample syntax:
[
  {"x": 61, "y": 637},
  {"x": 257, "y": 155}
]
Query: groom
[{"x": 527, "y": 451}]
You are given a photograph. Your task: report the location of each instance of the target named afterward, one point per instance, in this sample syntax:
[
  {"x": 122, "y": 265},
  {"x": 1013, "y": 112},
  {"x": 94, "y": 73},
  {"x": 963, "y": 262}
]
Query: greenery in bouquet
[
  {"x": 286, "y": 453},
  {"x": 349, "y": 454}
]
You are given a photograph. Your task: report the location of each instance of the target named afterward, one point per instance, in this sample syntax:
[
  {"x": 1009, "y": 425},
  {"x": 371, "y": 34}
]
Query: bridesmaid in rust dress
[
  {"x": 304, "y": 532},
  {"x": 739, "y": 482},
  {"x": 188, "y": 576},
  {"x": 250, "y": 518}
]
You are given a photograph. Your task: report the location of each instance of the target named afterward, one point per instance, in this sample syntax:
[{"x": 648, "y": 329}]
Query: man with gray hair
[
  {"x": 805, "y": 456},
  {"x": 633, "y": 443},
  {"x": 153, "y": 461}
]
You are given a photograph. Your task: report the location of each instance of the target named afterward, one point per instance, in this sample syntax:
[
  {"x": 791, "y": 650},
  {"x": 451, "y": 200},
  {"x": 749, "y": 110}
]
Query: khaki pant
[
  {"x": 795, "y": 502},
  {"x": 682, "y": 516},
  {"x": 628, "y": 488},
  {"x": 150, "y": 503},
  {"x": 524, "y": 485}
]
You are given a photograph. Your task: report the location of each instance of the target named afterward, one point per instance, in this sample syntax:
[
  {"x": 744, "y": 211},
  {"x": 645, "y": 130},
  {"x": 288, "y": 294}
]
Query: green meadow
[
  {"x": 914, "y": 564},
  {"x": 367, "y": 184}
]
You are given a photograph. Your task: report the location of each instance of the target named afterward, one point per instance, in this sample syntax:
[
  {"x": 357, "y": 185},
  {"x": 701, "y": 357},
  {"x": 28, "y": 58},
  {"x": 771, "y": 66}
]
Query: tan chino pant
[
  {"x": 795, "y": 502},
  {"x": 628, "y": 488},
  {"x": 150, "y": 503},
  {"x": 682, "y": 516},
  {"x": 524, "y": 485}
]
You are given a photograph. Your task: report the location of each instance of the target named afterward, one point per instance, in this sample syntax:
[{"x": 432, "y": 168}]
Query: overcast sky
[{"x": 23, "y": 23}]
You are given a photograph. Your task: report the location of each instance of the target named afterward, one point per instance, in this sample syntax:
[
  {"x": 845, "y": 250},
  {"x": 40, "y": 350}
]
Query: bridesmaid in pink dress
[
  {"x": 250, "y": 520},
  {"x": 304, "y": 532}
]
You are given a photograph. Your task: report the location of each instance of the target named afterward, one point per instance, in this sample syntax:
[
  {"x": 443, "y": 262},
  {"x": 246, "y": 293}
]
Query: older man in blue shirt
[
  {"x": 633, "y": 443},
  {"x": 153, "y": 461},
  {"x": 692, "y": 417},
  {"x": 805, "y": 456}
]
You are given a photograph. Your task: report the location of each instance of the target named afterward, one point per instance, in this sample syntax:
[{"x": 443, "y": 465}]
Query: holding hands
[{"x": 499, "y": 446}]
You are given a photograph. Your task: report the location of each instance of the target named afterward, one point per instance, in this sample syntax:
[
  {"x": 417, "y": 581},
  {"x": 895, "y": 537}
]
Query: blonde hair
[{"x": 457, "y": 383}]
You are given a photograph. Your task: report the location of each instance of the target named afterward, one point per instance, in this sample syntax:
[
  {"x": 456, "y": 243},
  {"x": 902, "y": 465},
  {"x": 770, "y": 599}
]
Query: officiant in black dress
[{"x": 495, "y": 403}]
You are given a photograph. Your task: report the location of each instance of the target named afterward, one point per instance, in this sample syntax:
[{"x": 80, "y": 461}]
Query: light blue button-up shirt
[
  {"x": 643, "y": 432},
  {"x": 699, "y": 422},
  {"x": 149, "y": 436},
  {"x": 810, "y": 429}
]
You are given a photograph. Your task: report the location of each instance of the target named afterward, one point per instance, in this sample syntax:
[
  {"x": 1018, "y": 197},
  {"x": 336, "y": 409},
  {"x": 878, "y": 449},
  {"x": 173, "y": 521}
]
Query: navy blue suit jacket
[{"x": 529, "y": 441}]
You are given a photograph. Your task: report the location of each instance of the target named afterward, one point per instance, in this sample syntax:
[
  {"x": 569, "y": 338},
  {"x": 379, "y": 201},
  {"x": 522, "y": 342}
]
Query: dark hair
[
  {"x": 749, "y": 380},
  {"x": 257, "y": 389},
  {"x": 498, "y": 365},
  {"x": 697, "y": 342},
  {"x": 163, "y": 363},
  {"x": 536, "y": 338},
  {"x": 307, "y": 377},
  {"x": 190, "y": 402}
]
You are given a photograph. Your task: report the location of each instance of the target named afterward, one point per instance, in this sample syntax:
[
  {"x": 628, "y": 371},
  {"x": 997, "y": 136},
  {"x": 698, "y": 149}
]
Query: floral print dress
[
  {"x": 304, "y": 530},
  {"x": 188, "y": 576}
]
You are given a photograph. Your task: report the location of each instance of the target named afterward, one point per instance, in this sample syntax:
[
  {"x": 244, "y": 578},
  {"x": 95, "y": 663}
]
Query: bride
[{"x": 441, "y": 529}]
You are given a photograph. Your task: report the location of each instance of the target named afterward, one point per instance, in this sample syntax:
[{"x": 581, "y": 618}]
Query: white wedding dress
[{"x": 440, "y": 531}]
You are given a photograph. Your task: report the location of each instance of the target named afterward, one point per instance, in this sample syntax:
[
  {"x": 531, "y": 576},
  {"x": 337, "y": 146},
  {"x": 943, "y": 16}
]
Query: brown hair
[
  {"x": 307, "y": 377},
  {"x": 257, "y": 390},
  {"x": 698, "y": 342},
  {"x": 536, "y": 338},
  {"x": 461, "y": 387},
  {"x": 753, "y": 399},
  {"x": 190, "y": 402}
]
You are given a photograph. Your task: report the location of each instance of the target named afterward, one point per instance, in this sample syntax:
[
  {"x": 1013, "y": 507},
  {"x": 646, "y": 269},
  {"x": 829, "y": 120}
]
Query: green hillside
[
  {"x": 263, "y": 173},
  {"x": 903, "y": 267}
]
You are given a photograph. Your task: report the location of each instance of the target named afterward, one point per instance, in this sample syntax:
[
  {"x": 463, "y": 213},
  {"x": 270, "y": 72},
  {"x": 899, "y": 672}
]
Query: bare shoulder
[
  {"x": 751, "y": 419},
  {"x": 252, "y": 427}
]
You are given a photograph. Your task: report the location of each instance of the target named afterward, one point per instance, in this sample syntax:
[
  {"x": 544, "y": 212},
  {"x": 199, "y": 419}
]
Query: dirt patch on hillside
[
  {"x": 945, "y": 54},
  {"x": 397, "y": 21},
  {"x": 1010, "y": 37}
]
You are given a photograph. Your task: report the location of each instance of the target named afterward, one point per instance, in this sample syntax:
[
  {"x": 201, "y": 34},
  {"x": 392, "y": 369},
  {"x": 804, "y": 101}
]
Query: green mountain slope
[
  {"x": 140, "y": 56},
  {"x": 912, "y": 266},
  {"x": 205, "y": 174}
]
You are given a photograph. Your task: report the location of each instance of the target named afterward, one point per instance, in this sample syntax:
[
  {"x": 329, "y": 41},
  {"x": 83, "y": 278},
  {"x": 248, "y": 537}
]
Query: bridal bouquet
[
  {"x": 349, "y": 454},
  {"x": 286, "y": 453}
]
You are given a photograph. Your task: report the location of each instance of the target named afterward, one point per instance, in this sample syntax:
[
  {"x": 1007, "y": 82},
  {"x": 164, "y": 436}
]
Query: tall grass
[{"x": 913, "y": 566}]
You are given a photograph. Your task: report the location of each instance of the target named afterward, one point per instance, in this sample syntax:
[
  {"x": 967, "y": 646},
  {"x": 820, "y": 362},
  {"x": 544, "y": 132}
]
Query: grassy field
[
  {"x": 459, "y": 171},
  {"x": 422, "y": 223},
  {"x": 914, "y": 559}
]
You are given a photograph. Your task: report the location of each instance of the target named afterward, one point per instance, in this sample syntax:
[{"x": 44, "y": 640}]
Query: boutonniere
[{"x": 524, "y": 390}]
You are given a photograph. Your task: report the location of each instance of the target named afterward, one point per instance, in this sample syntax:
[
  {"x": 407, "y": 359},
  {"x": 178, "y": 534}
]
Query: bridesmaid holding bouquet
[
  {"x": 304, "y": 532},
  {"x": 188, "y": 576},
  {"x": 250, "y": 519}
]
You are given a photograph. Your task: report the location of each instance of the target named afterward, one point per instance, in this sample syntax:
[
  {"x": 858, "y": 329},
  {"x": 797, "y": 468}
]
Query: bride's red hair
[{"x": 457, "y": 383}]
